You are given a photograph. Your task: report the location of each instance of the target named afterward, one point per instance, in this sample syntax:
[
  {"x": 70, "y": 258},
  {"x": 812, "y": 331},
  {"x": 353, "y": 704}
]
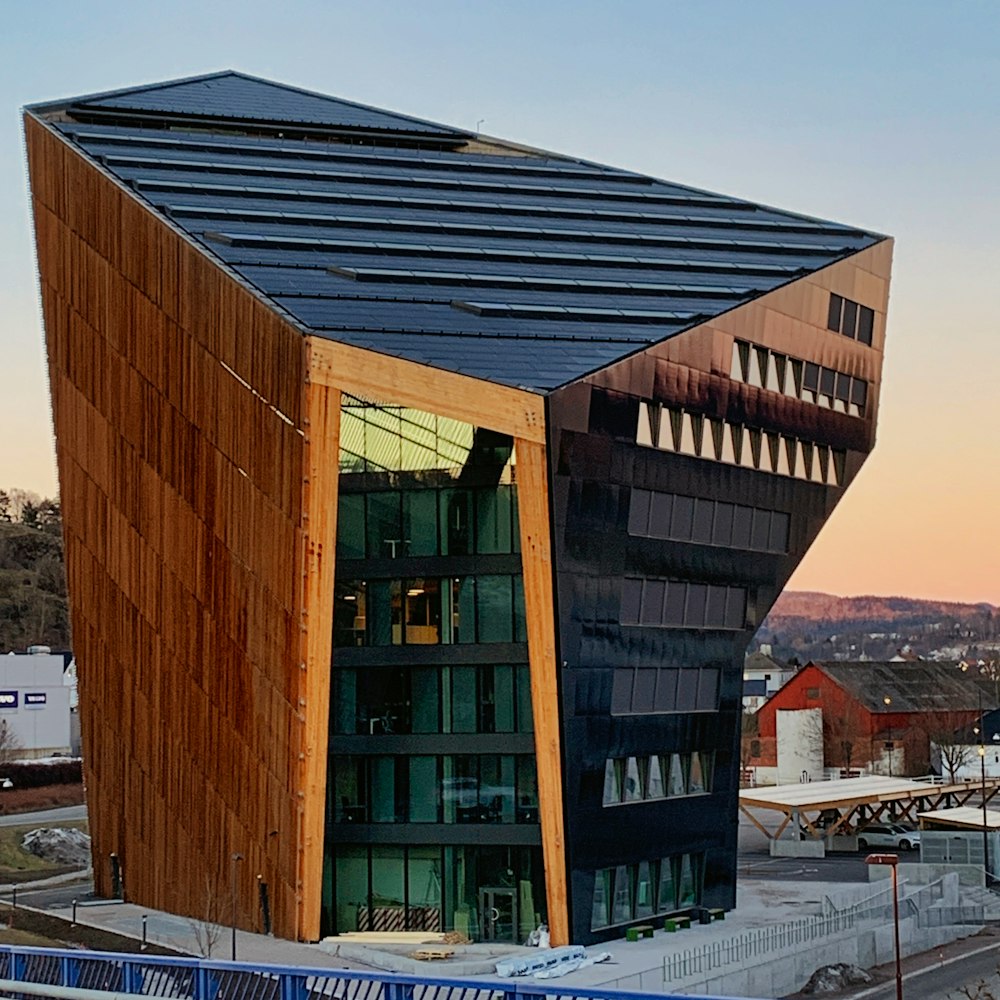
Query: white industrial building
[{"x": 35, "y": 704}]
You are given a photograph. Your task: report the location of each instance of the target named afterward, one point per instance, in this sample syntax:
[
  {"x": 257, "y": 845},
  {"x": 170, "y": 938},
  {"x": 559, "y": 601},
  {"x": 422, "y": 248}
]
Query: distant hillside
[
  {"x": 33, "y": 606},
  {"x": 804, "y": 625}
]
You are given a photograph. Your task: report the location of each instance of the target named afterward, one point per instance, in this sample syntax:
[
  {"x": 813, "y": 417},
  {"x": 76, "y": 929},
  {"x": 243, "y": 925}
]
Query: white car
[{"x": 889, "y": 835}]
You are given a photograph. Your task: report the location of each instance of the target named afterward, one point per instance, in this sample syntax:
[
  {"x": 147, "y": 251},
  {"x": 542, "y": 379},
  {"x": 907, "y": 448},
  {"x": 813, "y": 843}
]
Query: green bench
[
  {"x": 634, "y": 933},
  {"x": 673, "y": 924},
  {"x": 717, "y": 914}
]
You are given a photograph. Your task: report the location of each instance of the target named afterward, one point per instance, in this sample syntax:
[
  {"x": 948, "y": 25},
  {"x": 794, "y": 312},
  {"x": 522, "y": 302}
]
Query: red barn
[{"x": 878, "y": 716}]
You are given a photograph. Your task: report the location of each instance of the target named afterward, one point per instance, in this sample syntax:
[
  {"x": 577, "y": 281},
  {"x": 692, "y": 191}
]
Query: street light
[
  {"x": 887, "y": 701},
  {"x": 892, "y": 860},
  {"x": 232, "y": 884},
  {"x": 981, "y": 732}
]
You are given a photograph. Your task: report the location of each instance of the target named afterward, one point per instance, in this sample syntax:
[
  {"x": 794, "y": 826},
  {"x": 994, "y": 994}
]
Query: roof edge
[
  {"x": 876, "y": 241},
  {"x": 64, "y": 102}
]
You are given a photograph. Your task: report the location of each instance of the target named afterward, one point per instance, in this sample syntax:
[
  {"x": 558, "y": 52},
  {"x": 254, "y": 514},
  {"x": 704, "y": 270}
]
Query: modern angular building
[{"x": 421, "y": 494}]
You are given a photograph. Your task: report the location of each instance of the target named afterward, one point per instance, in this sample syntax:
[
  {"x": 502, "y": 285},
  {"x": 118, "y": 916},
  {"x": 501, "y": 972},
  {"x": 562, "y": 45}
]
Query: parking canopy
[{"x": 824, "y": 809}]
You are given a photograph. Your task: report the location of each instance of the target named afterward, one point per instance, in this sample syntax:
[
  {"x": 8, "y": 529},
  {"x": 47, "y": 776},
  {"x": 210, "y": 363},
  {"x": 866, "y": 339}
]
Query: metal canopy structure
[{"x": 822, "y": 810}]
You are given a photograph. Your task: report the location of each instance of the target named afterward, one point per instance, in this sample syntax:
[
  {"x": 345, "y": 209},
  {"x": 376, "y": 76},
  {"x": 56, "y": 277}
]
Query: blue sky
[{"x": 883, "y": 115}]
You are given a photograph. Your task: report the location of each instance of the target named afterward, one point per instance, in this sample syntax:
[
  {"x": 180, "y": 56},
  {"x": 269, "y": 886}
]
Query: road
[
  {"x": 61, "y": 815},
  {"x": 943, "y": 982}
]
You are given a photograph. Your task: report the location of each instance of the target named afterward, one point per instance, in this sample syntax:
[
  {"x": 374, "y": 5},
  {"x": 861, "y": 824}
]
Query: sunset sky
[{"x": 885, "y": 116}]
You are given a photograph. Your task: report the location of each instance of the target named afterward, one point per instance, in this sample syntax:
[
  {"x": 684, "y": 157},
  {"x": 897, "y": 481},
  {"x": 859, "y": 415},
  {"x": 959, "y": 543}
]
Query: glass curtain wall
[{"x": 430, "y": 722}]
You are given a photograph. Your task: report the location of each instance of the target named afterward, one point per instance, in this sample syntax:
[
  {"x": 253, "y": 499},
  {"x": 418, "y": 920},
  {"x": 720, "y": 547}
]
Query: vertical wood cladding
[
  {"x": 536, "y": 561},
  {"x": 179, "y": 408},
  {"x": 595, "y": 464},
  {"x": 322, "y": 416}
]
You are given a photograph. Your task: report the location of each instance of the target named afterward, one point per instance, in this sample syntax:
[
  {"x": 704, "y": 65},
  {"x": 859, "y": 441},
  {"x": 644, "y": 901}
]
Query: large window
[
  {"x": 657, "y": 776},
  {"x": 428, "y": 556},
  {"x": 392, "y": 524},
  {"x": 698, "y": 436},
  {"x": 391, "y": 701},
  {"x": 851, "y": 319},
  {"x": 454, "y": 788},
  {"x": 807, "y": 380},
  {"x": 631, "y": 892},
  {"x": 431, "y": 888},
  {"x": 425, "y": 611}
]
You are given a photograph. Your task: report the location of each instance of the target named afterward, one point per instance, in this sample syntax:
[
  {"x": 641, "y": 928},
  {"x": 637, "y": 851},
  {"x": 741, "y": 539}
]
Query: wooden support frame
[
  {"x": 319, "y": 538},
  {"x": 516, "y": 412},
  {"x": 903, "y": 805},
  {"x": 536, "y": 558}
]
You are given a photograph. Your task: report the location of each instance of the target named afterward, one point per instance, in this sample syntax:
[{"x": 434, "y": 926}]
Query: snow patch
[{"x": 64, "y": 846}]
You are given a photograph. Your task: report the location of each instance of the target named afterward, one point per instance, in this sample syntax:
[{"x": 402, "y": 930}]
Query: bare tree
[
  {"x": 950, "y": 733},
  {"x": 844, "y": 736},
  {"x": 749, "y": 740},
  {"x": 10, "y": 745},
  {"x": 16, "y": 500},
  {"x": 209, "y": 928}
]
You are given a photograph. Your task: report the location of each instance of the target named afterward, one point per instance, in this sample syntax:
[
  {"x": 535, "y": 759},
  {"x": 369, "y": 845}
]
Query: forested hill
[
  {"x": 804, "y": 625},
  {"x": 33, "y": 606}
]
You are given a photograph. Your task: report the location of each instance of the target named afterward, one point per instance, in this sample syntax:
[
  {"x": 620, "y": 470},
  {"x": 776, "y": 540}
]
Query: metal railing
[
  {"x": 71, "y": 974},
  {"x": 755, "y": 947}
]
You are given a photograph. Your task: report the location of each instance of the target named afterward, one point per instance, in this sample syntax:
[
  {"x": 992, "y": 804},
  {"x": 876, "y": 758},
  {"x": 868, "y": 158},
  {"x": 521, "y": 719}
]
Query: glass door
[{"x": 499, "y": 909}]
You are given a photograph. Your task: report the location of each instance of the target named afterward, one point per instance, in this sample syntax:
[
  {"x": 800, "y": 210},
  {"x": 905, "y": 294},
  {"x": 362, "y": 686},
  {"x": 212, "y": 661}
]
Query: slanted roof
[
  {"x": 758, "y": 661},
  {"x": 838, "y": 793},
  {"x": 921, "y": 686},
  {"x": 411, "y": 239},
  {"x": 967, "y": 735},
  {"x": 237, "y": 97}
]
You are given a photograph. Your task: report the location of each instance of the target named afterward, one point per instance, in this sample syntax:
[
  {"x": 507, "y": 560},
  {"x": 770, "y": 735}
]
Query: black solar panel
[
  {"x": 236, "y": 96},
  {"x": 531, "y": 270}
]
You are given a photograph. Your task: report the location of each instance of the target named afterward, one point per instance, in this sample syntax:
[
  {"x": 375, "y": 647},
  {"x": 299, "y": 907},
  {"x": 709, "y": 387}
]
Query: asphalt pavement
[
  {"x": 940, "y": 974},
  {"x": 64, "y": 814}
]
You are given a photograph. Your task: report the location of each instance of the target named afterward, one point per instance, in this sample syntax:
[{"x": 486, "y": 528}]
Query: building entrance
[{"x": 499, "y": 909}]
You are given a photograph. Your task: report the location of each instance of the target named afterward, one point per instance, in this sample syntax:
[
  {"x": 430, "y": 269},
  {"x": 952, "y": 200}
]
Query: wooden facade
[{"x": 179, "y": 415}]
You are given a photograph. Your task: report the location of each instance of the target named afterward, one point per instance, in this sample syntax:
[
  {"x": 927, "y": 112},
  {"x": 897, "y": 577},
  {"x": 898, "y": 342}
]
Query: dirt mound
[{"x": 60, "y": 846}]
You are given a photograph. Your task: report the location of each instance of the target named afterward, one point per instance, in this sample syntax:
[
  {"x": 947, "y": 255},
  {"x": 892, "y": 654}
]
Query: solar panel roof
[{"x": 420, "y": 241}]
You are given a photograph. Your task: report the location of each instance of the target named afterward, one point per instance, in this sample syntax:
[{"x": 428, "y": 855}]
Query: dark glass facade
[
  {"x": 670, "y": 545},
  {"x": 432, "y": 796}
]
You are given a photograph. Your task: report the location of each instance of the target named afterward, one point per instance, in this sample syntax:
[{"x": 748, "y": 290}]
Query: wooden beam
[
  {"x": 383, "y": 378},
  {"x": 319, "y": 540},
  {"x": 756, "y": 822},
  {"x": 536, "y": 560}
]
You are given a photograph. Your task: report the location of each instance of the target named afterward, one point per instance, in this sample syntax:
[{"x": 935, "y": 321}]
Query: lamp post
[
  {"x": 892, "y": 860},
  {"x": 982, "y": 791},
  {"x": 887, "y": 701},
  {"x": 232, "y": 884}
]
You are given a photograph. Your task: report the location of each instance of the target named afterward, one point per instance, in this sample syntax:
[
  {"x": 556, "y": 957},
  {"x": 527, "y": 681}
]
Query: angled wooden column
[
  {"x": 321, "y": 407},
  {"x": 536, "y": 561}
]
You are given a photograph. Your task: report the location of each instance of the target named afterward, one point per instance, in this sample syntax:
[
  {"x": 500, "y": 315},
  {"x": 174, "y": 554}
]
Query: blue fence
[{"x": 190, "y": 979}]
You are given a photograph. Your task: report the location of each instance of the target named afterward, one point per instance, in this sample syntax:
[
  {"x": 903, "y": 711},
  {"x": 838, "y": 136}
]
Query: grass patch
[
  {"x": 47, "y": 931},
  {"x": 25, "y": 939}
]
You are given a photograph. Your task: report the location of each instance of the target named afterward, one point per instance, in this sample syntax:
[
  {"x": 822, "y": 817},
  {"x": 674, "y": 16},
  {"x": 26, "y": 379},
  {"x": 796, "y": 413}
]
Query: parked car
[{"x": 889, "y": 835}]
